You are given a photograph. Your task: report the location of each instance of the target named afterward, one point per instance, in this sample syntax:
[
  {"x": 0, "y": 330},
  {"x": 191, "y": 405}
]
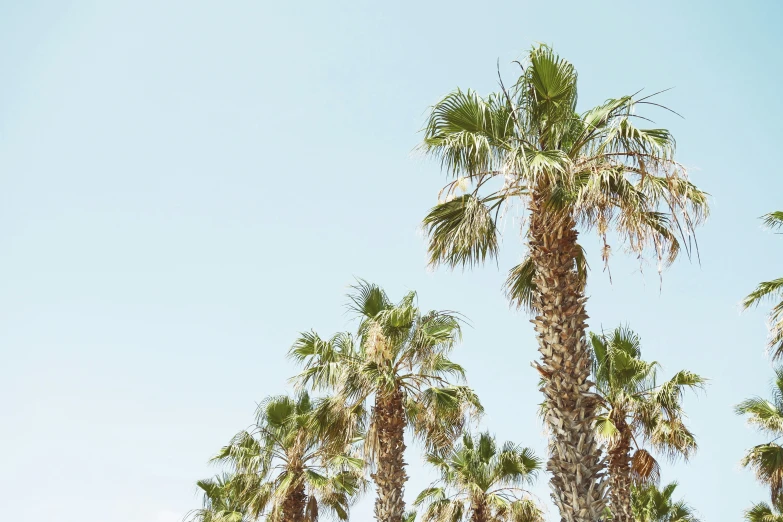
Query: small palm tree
[
  {"x": 528, "y": 146},
  {"x": 651, "y": 504},
  {"x": 399, "y": 364},
  {"x": 771, "y": 291},
  {"x": 221, "y": 502},
  {"x": 480, "y": 482},
  {"x": 763, "y": 512},
  {"x": 767, "y": 416},
  {"x": 295, "y": 463},
  {"x": 635, "y": 410}
]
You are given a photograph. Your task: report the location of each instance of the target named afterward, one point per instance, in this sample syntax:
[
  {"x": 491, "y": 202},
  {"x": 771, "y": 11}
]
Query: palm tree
[
  {"x": 399, "y": 363},
  {"x": 221, "y": 501},
  {"x": 295, "y": 463},
  {"x": 567, "y": 171},
  {"x": 651, "y": 504},
  {"x": 635, "y": 410},
  {"x": 767, "y": 416},
  {"x": 771, "y": 290},
  {"x": 480, "y": 482},
  {"x": 763, "y": 512}
]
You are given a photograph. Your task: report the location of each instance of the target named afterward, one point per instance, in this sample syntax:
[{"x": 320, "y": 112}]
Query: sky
[{"x": 185, "y": 186}]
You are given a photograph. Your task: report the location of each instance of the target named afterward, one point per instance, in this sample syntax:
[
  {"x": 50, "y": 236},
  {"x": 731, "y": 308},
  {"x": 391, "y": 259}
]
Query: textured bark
[
  {"x": 578, "y": 485},
  {"x": 294, "y": 505},
  {"x": 480, "y": 512},
  {"x": 390, "y": 477},
  {"x": 619, "y": 454}
]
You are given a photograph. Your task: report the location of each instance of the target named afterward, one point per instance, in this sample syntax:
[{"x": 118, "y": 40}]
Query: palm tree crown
[
  {"x": 771, "y": 291},
  {"x": 598, "y": 167},
  {"x": 398, "y": 359},
  {"x": 480, "y": 482},
  {"x": 295, "y": 463},
  {"x": 221, "y": 501},
  {"x": 635, "y": 410},
  {"x": 763, "y": 512},
  {"x": 528, "y": 146},
  {"x": 651, "y": 504},
  {"x": 767, "y": 416}
]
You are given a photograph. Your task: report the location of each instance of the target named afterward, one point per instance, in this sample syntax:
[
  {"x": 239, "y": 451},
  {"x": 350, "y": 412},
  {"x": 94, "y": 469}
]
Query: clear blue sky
[{"x": 184, "y": 186}]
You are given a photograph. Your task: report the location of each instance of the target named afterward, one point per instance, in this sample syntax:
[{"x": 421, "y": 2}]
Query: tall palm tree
[
  {"x": 221, "y": 501},
  {"x": 771, "y": 291},
  {"x": 651, "y": 504},
  {"x": 399, "y": 363},
  {"x": 636, "y": 411},
  {"x": 767, "y": 416},
  {"x": 295, "y": 463},
  {"x": 480, "y": 482},
  {"x": 597, "y": 170},
  {"x": 763, "y": 512}
]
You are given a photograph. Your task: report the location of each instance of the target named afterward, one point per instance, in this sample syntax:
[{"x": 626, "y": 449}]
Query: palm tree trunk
[
  {"x": 574, "y": 455},
  {"x": 619, "y": 456},
  {"x": 294, "y": 504},
  {"x": 390, "y": 477},
  {"x": 479, "y": 512}
]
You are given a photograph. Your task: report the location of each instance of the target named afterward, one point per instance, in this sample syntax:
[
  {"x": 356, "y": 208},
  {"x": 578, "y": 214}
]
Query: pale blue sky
[{"x": 186, "y": 185}]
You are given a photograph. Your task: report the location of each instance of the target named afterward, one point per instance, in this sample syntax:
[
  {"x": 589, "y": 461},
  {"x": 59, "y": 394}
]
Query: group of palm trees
[
  {"x": 306, "y": 457},
  {"x": 524, "y": 150}
]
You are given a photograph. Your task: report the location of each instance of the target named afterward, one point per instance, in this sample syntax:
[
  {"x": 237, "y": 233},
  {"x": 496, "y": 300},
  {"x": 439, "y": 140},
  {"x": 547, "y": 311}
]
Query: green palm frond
[
  {"x": 222, "y": 501},
  {"x": 367, "y": 299},
  {"x": 669, "y": 395},
  {"x": 672, "y": 438},
  {"x": 650, "y": 504},
  {"x": 766, "y": 460},
  {"x": 763, "y": 512},
  {"x": 438, "y": 414},
  {"x": 605, "y": 428},
  {"x": 461, "y": 232},
  {"x": 467, "y": 132},
  {"x": 478, "y": 473},
  {"x": 773, "y": 220},
  {"x": 771, "y": 291},
  {"x": 525, "y": 510},
  {"x": 762, "y": 414},
  {"x": 768, "y": 290},
  {"x": 409, "y": 516}
]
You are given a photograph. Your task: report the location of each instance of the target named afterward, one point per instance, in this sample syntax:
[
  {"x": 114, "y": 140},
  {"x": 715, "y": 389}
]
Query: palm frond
[
  {"x": 461, "y": 232},
  {"x": 367, "y": 299},
  {"x": 763, "y": 512},
  {"x": 766, "y": 460},
  {"x": 773, "y": 220}
]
